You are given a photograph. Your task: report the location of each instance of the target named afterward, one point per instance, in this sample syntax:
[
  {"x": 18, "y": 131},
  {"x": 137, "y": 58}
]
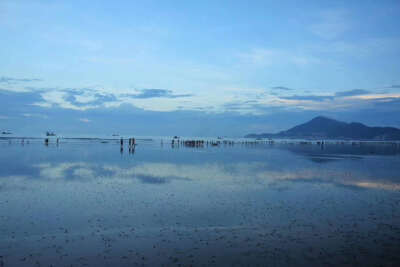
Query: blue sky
[{"x": 196, "y": 67}]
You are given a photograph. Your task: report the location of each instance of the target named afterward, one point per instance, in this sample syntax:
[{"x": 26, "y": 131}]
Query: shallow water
[{"x": 87, "y": 203}]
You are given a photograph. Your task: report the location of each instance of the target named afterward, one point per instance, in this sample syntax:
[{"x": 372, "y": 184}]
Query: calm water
[{"x": 86, "y": 203}]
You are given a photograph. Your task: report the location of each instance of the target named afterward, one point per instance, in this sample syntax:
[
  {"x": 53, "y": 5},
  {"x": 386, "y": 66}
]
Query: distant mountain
[{"x": 323, "y": 127}]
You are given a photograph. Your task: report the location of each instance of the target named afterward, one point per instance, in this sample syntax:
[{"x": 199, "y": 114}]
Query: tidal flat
[{"x": 88, "y": 203}]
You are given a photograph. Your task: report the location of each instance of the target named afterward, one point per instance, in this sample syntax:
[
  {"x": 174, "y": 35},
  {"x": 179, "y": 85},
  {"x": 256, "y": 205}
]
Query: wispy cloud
[
  {"x": 353, "y": 92},
  {"x": 378, "y": 96},
  {"x": 42, "y": 104},
  {"x": 87, "y": 101},
  {"x": 10, "y": 80},
  {"x": 59, "y": 99},
  {"x": 339, "y": 96},
  {"x": 88, "y": 96},
  {"x": 85, "y": 120},
  {"x": 331, "y": 24},
  {"x": 35, "y": 115},
  {"x": 276, "y": 57},
  {"x": 92, "y": 98},
  {"x": 155, "y": 93},
  {"x": 73, "y": 98},
  {"x": 318, "y": 98},
  {"x": 282, "y": 88}
]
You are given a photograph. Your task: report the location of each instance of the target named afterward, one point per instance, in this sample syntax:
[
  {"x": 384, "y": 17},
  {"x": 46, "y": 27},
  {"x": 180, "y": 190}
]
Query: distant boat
[
  {"x": 115, "y": 134},
  {"x": 48, "y": 133},
  {"x": 6, "y": 132}
]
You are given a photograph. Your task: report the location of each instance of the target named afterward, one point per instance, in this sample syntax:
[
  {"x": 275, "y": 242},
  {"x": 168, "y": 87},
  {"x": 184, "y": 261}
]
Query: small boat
[
  {"x": 6, "y": 132},
  {"x": 115, "y": 134}
]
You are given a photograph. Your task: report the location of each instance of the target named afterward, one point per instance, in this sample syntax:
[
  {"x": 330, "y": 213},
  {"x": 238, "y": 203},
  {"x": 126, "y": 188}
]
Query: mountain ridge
[{"x": 324, "y": 127}]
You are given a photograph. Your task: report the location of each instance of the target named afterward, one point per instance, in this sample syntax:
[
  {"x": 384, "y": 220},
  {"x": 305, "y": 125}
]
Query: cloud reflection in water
[{"x": 223, "y": 176}]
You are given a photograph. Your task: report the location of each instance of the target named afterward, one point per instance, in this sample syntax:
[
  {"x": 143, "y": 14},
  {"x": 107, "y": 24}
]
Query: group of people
[
  {"x": 132, "y": 144},
  {"x": 46, "y": 141}
]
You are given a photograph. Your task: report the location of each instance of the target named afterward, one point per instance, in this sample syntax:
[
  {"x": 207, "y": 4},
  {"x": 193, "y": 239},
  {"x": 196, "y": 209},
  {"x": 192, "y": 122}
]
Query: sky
[{"x": 196, "y": 68}]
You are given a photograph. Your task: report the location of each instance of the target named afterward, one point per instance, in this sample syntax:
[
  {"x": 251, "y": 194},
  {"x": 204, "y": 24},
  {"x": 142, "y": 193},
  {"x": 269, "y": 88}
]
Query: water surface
[{"x": 88, "y": 203}]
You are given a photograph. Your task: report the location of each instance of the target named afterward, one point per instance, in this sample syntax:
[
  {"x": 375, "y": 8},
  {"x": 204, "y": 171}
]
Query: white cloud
[
  {"x": 35, "y": 115},
  {"x": 241, "y": 100},
  {"x": 58, "y": 97},
  {"x": 276, "y": 57},
  {"x": 84, "y": 120},
  {"x": 85, "y": 98},
  {"x": 375, "y": 96},
  {"x": 42, "y": 104}
]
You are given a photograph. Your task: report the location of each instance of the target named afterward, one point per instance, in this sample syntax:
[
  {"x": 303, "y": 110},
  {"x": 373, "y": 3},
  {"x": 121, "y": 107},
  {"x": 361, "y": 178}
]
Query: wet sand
[{"x": 86, "y": 204}]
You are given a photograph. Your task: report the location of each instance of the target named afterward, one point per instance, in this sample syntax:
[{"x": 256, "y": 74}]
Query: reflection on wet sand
[
  {"x": 83, "y": 204},
  {"x": 232, "y": 175}
]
